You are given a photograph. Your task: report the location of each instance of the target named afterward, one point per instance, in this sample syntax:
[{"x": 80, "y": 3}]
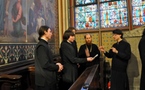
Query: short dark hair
[
  {"x": 67, "y": 34},
  {"x": 118, "y": 31},
  {"x": 41, "y": 31},
  {"x": 72, "y": 28}
]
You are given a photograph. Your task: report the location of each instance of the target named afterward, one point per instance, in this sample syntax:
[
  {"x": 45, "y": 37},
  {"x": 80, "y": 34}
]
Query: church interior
[{"x": 18, "y": 38}]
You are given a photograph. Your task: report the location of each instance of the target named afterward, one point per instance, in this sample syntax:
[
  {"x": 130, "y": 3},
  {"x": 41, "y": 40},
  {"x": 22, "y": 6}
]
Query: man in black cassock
[
  {"x": 88, "y": 50},
  {"x": 74, "y": 43},
  {"x": 120, "y": 54},
  {"x": 70, "y": 60},
  {"x": 45, "y": 67},
  {"x": 142, "y": 57}
]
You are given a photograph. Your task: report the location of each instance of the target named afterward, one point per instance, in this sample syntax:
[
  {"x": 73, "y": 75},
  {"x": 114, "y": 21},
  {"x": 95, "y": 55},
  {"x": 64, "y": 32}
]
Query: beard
[{"x": 89, "y": 43}]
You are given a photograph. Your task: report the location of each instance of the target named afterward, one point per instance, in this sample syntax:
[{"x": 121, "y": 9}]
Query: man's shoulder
[
  {"x": 83, "y": 45},
  {"x": 94, "y": 44},
  {"x": 125, "y": 42},
  {"x": 74, "y": 41}
]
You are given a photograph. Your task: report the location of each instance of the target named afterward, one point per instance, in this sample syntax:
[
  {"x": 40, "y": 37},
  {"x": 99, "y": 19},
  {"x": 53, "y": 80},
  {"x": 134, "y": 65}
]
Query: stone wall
[{"x": 134, "y": 67}]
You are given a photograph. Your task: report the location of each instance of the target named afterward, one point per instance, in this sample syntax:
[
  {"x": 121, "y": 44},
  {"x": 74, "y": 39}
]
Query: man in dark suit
[
  {"x": 120, "y": 53},
  {"x": 70, "y": 60},
  {"x": 142, "y": 57},
  {"x": 74, "y": 43},
  {"x": 88, "y": 50},
  {"x": 45, "y": 67}
]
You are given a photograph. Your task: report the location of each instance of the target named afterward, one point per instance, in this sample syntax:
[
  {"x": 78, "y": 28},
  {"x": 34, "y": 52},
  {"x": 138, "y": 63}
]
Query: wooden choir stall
[{"x": 16, "y": 76}]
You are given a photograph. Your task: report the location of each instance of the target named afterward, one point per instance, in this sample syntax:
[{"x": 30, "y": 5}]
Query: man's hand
[
  {"x": 89, "y": 59},
  {"x": 114, "y": 50},
  {"x": 101, "y": 48},
  {"x": 60, "y": 67}
]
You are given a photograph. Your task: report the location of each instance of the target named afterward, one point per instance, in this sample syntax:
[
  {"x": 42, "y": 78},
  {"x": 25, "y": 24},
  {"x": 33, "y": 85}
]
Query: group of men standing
[{"x": 74, "y": 62}]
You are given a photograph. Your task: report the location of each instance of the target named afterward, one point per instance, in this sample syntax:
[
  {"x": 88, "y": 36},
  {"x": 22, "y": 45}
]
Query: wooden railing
[
  {"x": 15, "y": 67},
  {"x": 15, "y": 76},
  {"x": 88, "y": 80}
]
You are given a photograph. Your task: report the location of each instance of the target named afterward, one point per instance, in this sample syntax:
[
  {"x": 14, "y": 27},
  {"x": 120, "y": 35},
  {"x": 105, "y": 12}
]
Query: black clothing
[
  {"x": 119, "y": 65},
  {"x": 69, "y": 60},
  {"x": 142, "y": 57},
  {"x": 74, "y": 44},
  {"x": 93, "y": 49},
  {"x": 45, "y": 67},
  {"x": 119, "y": 80},
  {"x": 46, "y": 87}
]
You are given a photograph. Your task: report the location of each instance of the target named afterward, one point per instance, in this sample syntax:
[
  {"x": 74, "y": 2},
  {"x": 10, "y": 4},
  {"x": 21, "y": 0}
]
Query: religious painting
[
  {"x": 19, "y": 24},
  {"x": 13, "y": 21},
  {"x": 21, "y": 19},
  {"x": 40, "y": 12}
]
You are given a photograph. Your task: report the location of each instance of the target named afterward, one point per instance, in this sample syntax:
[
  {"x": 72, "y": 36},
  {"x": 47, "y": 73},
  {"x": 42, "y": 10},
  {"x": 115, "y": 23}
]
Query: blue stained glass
[
  {"x": 138, "y": 12},
  {"x": 113, "y": 14},
  {"x": 104, "y": 0},
  {"x": 86, "y": 17},
  {"x": 82, "y": 2}
]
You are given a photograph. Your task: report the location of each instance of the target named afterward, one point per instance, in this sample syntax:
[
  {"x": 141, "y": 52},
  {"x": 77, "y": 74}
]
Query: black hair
[
  {"x": 67, "y": 34},
  {"x": 41, "y": 31},
  {"x": 72, "y": 28},
  {"x": 118, "y": 31}
]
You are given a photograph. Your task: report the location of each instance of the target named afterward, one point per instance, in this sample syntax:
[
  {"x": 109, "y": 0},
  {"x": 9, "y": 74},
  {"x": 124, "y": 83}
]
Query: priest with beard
[{"x": 88, "y": 50}]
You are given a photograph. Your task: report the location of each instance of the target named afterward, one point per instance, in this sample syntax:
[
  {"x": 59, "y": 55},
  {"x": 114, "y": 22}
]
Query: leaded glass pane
[
  {"x": 138, "y": 12},
  {"x": 113, "y": 14},
  {"x": 86, "y": 17}
]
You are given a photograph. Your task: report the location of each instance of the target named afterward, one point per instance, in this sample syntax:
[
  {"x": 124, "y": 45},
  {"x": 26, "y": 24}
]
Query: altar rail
[{"x": 88, "y": 80}]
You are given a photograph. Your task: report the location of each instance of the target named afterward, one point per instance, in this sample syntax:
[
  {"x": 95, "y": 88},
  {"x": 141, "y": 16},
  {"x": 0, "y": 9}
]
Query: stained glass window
[
  {"x": 86, "y": 17},
  {"x": 138, "y": 12},
  {"x": 86, "y": 14},
  {"x": 104, "y": 0},
  {"x": 83, "y": 2},
  {"x": 109, "y": 14},
  {"x": 113, "y": 14}
]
